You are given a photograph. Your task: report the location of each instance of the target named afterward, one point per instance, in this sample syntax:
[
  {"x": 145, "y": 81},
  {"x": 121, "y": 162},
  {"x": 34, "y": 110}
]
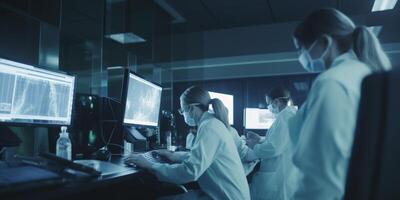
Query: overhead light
[
  {"x": 126, "y": 38},
  {"x": 380, "y": 5},
  {"x": 375, "y": 29},
  {"x": 114, "y": 67}
]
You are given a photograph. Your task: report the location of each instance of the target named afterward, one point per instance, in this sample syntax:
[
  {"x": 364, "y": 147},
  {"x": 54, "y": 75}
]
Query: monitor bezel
[
  {"x": 127, "y": 72},
  {"x": 38, "y": 124}
]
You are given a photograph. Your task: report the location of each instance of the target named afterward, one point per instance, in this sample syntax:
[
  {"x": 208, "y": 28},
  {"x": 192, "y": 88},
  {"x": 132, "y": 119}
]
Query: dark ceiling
[{"x": 221, "y": 14}]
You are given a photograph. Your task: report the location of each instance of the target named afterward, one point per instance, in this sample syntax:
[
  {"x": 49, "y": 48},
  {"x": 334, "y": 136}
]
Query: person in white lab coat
[
  {"x": 213, "y": 161},
  {"x": 276, "y": 173},
  {"x": 249, "y": 160},
  {"x": 247, "y": 156},
  {"x": 329, "y": 42}
]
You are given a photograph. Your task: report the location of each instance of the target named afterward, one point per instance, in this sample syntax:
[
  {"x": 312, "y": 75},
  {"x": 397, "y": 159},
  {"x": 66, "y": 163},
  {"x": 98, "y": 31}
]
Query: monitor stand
[
  {"x": 8, "y": 138},
  {"x": 133, "y": 135},
  {"x": 30, "y": 141},
  {"x": 138, "y": 141}
]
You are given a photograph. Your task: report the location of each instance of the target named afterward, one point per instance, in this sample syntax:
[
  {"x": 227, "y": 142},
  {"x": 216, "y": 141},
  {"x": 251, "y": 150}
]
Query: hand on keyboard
[
  {"x": 147, "y": 159},
  {"x": 152, "y": 157},
  {"x": 138, "y": 160}
]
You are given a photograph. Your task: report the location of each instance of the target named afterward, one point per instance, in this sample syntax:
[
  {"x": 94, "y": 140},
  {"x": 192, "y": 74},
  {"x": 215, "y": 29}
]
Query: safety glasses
[{"x": 186, "y": 108}]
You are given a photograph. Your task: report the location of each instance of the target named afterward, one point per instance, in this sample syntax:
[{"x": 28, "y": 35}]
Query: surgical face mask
[
  {"x": 185, "y": 112},
  {"x": 273, "y": 109},
  {"x": 310, "y": 64},
  {"x": 188, "y": 119}
]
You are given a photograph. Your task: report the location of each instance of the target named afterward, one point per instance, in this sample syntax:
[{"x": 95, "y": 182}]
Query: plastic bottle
[
  {"x": 63, "y": 147},
  {"x": 169, "y": 140}
]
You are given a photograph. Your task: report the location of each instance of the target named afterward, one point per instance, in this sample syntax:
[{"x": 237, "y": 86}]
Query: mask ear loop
[{"x": 329, "y": 38}]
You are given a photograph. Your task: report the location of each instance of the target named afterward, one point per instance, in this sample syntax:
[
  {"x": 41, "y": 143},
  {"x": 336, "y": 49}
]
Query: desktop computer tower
[{"x": 96, "y": 124}]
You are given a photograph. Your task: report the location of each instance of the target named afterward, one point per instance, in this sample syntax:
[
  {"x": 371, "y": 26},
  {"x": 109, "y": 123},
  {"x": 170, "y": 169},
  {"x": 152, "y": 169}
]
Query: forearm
[{"x": 178, "y": 157}]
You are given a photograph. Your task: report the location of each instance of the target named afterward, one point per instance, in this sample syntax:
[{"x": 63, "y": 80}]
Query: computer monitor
[
  {"x": 256, "y": 118},
  {"x": 228, "y": 102},
  {"x": 30, "y": 95},
  {"x": 142, "y": 103}
]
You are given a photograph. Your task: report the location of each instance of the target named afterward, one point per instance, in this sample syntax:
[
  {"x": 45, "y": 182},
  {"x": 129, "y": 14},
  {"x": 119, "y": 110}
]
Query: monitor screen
[
  {"x": 143, "y": 99},
  {"x": 228, "y": 102},
  {"x": 256, "y": 118},
  {"x": 30, "y": 95}
]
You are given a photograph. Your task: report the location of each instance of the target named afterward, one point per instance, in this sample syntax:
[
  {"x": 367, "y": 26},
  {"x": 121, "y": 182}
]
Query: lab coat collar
[
  {"x": 287, "y": 109},
  {"x": 350, "y": 55},
  {"x": 205, "y": 116}
]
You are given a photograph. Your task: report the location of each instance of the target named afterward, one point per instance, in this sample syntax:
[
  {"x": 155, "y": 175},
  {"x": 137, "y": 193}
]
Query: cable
[
  {"x": 111, "y": 135},
  {"x": 112, "y": 110},
  {"x": 113, "y": 117},
  {"x": 117, "y": 145},
  {"x": 113, "y": 129},
  {"x": 2, "y": 150},
  {"x": 122, "y": 147}
]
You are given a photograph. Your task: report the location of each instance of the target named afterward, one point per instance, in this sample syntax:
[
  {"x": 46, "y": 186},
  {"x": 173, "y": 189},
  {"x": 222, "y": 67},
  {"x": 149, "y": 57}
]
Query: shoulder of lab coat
[
  {"x": 201, "y": 156},
  {"x": 326, "y": 130},
  {"x": 246, "y": 153},
  {"x": 277, "y": 137}
]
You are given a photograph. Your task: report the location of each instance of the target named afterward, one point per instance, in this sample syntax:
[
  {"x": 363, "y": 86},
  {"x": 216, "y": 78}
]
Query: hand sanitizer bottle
[{"x": 63, "y": 147}]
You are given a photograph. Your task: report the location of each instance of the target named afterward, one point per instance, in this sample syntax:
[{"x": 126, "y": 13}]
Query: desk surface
[{"x": 129, "y": 184}]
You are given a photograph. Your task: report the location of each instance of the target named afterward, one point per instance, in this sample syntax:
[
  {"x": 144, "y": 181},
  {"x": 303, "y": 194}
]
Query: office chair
[{"x": 375, "y": 161}]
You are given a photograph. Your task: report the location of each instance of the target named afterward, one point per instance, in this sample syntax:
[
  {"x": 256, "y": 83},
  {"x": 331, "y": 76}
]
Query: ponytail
[
  {"x": 368, "y": 50},
  {"x": 334, "y": 23},
  {"x": 221, "y": 112}
]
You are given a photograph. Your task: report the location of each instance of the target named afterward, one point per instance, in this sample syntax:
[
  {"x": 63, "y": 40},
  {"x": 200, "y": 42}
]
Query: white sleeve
[
  {"x": 180, "y": 156},
  {"x": 325, "y": 142},
  {"x": 276, "y": 140},
  {"x": 200, "y": 158},
  {"x": 245, "y": 153}
]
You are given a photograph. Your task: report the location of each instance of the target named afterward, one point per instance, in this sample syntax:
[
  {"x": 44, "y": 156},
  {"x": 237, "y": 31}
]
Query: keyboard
[{"x": 152, "y": 157}]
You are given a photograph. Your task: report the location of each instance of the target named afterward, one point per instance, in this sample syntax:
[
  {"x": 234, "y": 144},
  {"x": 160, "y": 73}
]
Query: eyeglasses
[
  {"x": 270, "y": 101},
  {"x": 185, "y": 108}
]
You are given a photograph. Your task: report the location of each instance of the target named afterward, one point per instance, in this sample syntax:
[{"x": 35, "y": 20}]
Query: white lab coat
[
  {"x": 325, "y": 125},
  {"x": 189, "y": 140},
  {"x": 213, "y": 161},
  {"x": 249, "y": 160},
  {"x": 247, "y": 156},
  {"x": 276, "y": 173}
]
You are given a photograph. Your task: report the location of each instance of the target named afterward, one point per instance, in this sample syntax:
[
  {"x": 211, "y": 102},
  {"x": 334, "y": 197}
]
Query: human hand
[
  {"x": 251, "y": 143},
  {"x": 164, "y": 153},
  {"x": 252, "y": 139},
  {"x": 138, "y": 160},
  {"x": 253, "y": 136}
]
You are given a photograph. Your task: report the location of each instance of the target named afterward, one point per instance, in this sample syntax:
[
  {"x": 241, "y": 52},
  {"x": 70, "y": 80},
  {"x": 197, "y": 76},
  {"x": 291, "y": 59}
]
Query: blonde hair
[{"x": 196, "y": 94}]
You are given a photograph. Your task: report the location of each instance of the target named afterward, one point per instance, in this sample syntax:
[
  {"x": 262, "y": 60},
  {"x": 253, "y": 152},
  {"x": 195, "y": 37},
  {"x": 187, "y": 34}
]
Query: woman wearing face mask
[
  {"x": 213, "y": 160},
  {"x": 329, "y": 42},
  {"x": 276, "y": 172},
  {"x": 247, "y": 157}
]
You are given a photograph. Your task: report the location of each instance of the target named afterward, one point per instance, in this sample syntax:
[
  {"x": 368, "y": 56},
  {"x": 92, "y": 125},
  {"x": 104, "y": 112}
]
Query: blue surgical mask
[
  {"x": 310, "y": 64},
  {"x": 188, "y": 119}
]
